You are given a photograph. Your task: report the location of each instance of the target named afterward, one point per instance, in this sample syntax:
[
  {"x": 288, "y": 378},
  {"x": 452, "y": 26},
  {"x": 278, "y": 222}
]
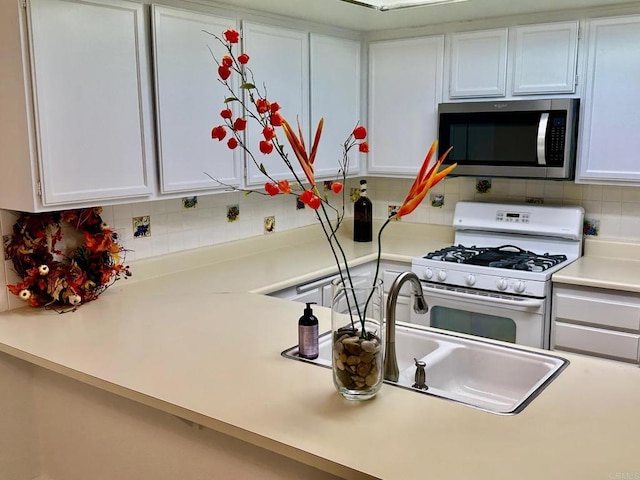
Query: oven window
[{"x": 472, "y": 323}]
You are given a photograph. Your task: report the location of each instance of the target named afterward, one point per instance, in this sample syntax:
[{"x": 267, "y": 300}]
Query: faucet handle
[{"x": 421, "y": 376}]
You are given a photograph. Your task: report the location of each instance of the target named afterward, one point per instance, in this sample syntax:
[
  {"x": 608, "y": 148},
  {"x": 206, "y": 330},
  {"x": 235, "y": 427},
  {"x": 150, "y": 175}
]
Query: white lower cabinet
[
  {"x": 597, "y": 321},
  {"x": 319, "y": 290}
]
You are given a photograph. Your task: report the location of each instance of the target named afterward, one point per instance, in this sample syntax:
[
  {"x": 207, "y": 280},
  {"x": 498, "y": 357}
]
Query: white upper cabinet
[
  {"x": 189, "y": 99},
  {"x": 280, "y": 61},
  {"x": 335, "y": 96},
  {"x": 544, "y": 58},
  {"x": 405, "y": 87},
  {"x": 478, "y": 64},
  {"x": 610, "y": 103},
  {"x": 91, "y": 98}
]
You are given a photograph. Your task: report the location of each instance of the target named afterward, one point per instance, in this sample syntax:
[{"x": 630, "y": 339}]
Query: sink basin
[{"x": 497, "y": 378}]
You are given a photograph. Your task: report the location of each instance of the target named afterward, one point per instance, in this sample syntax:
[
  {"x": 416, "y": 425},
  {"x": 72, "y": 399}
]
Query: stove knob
[
  {"x": 442, "y": 275},
  {"x": 470, "y": 279},
  {"x": 519, "y": 286},
  {"x": 502, "y": 284},
  {"x": 428, "y": 273}
]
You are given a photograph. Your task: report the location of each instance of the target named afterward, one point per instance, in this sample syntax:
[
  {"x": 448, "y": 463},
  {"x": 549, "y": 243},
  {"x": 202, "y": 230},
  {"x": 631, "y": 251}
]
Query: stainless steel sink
[{"x": 496, "y": 378}]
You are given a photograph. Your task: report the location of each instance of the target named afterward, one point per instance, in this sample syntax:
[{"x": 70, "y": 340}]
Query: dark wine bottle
[{"x": 362, "y": 216}]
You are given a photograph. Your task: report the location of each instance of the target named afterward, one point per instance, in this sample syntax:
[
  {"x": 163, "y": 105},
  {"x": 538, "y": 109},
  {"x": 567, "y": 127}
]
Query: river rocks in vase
[{"x": 357, "y": 361}]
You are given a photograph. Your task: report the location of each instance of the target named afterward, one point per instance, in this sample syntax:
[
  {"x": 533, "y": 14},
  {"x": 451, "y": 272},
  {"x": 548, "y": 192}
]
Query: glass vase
[{"x": 357, "y": 313}]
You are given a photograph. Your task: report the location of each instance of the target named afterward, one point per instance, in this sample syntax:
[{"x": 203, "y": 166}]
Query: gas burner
[
  {"x": 454, "y": 253},
  {"x": 506, "y": 256}
]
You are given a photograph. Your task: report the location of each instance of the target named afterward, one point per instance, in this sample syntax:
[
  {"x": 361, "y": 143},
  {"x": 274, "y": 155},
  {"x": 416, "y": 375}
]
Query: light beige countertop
[
  {"x": 605, "y": 264},
  {"x": 176, "y": 343}
]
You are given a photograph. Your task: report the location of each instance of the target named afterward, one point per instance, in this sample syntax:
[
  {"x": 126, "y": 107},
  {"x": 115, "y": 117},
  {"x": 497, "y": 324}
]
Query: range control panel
[{"x": 517, "y": 217}]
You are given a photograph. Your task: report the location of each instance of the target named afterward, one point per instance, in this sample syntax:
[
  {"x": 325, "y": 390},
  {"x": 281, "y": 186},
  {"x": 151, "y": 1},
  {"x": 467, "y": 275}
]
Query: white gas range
[{"x": 495, "y": 281}]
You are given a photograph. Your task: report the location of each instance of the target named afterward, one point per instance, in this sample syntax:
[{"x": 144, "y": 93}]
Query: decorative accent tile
[
  {"x": 393, "y": 209},
  {"x": 142, "y": 226},
  {"x": 327, "y": 185},
  {"x": 233, "y": 213},
  {"x": 591, "y": 227},
  {"x": 437, "y": 200},
  {"x": 6, "y": 240},
  {"x": 269, "y": 224},
  {"x": 190, "y": 202},
  {"x": 354, "y": 194},
  {"x": 535, "y": 200},
  {"x": 483, "y": 185},
  {"x": 299, "y": 204}
]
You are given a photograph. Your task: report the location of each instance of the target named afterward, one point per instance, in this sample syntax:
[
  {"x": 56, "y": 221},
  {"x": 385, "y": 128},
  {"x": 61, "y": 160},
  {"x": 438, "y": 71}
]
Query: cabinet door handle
[{"x": 316, "y": 284}]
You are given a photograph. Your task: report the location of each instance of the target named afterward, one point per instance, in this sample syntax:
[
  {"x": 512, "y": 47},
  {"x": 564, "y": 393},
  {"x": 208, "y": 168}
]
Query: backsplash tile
[
  {"x": 141, "y": 226},
  {"x": 611, "y": 210}
]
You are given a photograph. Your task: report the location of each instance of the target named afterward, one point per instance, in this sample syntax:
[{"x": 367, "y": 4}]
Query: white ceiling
[{"x": 346, "y": 15}]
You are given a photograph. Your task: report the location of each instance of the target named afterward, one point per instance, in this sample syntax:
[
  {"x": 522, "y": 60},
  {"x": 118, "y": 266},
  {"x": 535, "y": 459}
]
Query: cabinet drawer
[
  {"x": 596, "y": 309},
  {"x": 598, "y": 341}
]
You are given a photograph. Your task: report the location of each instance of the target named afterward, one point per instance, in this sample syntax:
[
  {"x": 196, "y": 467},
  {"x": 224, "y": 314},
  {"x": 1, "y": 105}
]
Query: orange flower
[
  {"x": 427, "y": 178},
  {"x": 284, "y": 186},
  {"x": 262, "y": 105},
  {"x": 298, "y": 147}
]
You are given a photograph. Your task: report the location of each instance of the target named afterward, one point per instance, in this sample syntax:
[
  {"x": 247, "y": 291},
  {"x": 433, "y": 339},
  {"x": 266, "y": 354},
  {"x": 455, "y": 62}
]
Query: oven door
[{"x": 512, "y": 319}]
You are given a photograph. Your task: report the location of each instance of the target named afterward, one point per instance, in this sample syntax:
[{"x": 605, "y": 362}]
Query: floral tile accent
[
  {"x": 535, "y": 200},
  {"x": 190, "y": 202},
  {"x": 392, "y": 210},
  {"x": 483, "y": 185},
  {"x": 269, "y": 224},
  {"x": 6, "y": 240},
  {"x": 299, "y": 204},
  {"x": 591, "y": 227},
  {"x": 327, "y": 185},
  {"x": 354, "y": 194},
  {"x": 233, "y": 213},
  {"x": 437, "y": 200},
  {"x": 142, "y": 226}
]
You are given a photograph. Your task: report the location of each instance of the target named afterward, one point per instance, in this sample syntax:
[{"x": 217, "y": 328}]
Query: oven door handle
[{"x": 524, "y": 302}]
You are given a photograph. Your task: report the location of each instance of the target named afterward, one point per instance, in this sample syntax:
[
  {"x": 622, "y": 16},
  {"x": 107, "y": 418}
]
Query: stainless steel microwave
[{"x": 513, "y": 138}]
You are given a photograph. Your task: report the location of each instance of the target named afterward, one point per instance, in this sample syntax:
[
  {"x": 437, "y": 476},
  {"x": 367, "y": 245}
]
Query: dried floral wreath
[{"x": 63, "y": 280}]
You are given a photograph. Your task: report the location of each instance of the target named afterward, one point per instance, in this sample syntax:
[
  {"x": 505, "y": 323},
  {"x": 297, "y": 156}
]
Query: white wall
[{"x": 175, "y": 228}]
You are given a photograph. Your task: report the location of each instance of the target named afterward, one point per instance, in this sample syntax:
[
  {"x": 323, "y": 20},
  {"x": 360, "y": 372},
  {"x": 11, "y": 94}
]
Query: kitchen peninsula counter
[{"x": 193, "y": 336}]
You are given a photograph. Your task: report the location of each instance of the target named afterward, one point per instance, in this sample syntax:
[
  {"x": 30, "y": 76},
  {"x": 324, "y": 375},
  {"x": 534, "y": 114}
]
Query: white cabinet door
[
  {"x": 544, "y": 58},
  {"x": 335, "y": 96},
  {"x": 610, "y": 115},
  {"x": 279, "y": 61},
  {"x": 189, "y": 99},
  {"x": 478, "y": 64},
  {"x": 405, "y": 87},
  {"x": 92, "y": 99}
]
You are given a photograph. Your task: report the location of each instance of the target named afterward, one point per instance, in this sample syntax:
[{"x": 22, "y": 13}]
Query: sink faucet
[{"x": 391, "y": 371}]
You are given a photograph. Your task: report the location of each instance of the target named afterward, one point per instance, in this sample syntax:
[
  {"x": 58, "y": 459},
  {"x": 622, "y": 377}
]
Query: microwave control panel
[{"x": 555, "y": 142}]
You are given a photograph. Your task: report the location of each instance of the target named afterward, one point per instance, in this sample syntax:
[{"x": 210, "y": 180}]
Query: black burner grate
[{"x": 506, "y": 256}]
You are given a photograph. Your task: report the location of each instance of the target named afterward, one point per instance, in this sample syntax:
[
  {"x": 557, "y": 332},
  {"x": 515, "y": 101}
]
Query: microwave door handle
[{"x": 542, "y": 138}]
